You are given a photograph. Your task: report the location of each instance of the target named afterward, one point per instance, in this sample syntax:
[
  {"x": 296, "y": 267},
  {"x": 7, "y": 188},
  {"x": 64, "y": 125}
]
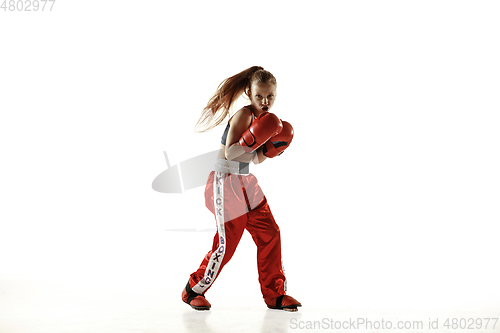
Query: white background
[{"x": 389, "y": 193}]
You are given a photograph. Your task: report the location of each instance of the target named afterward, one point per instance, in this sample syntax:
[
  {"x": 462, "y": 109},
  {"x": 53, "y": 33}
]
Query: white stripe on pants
[{"x": 217, "y": 256}]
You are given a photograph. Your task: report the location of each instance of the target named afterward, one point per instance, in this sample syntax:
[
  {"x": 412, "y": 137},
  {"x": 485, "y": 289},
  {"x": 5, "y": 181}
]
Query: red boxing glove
[
  {"x": 262, "y": 129},
  {"x": 278, "y": 143}
]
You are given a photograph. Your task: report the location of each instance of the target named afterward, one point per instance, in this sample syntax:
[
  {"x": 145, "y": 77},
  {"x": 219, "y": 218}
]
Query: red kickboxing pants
[{"x": 238, "y": 203}]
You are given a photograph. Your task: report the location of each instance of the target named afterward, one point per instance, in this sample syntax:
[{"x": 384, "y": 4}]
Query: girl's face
[{"x": 262, "y": 96}]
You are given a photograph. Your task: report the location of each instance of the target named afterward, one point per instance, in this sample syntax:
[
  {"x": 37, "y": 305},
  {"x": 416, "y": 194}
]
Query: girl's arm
[
  {"x": 239, "y": 124},
  {"x": 259, "y": 156}
]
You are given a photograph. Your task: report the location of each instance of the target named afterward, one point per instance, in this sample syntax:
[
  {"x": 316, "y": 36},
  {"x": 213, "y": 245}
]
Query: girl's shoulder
[{"x": 245, "y": 113}]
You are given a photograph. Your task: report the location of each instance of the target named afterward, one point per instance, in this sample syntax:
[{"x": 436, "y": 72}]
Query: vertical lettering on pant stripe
[{"x": 216, "y": 257}]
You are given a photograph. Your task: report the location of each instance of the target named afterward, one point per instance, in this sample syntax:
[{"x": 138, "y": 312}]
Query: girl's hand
[
  {"x": 262, "y": 129},
  {"x": 278, "y": 143}
]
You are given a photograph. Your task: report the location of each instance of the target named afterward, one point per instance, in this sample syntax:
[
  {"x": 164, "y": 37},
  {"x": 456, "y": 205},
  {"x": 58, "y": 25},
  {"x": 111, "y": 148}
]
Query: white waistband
[{"x": 232, "y": 167}]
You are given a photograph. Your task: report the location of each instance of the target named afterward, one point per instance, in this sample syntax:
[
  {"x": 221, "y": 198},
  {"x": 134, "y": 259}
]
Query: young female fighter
[{"x": 233, "y": 195}]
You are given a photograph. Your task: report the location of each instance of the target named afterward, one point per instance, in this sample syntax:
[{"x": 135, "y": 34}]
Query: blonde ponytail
[{"x": 227, "y": 93}]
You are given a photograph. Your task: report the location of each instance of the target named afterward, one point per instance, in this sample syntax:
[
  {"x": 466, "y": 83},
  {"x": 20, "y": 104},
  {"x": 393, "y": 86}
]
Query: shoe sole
[
  {"x": 199, "y": 308},
  {"x": 289, "y": 307}
]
